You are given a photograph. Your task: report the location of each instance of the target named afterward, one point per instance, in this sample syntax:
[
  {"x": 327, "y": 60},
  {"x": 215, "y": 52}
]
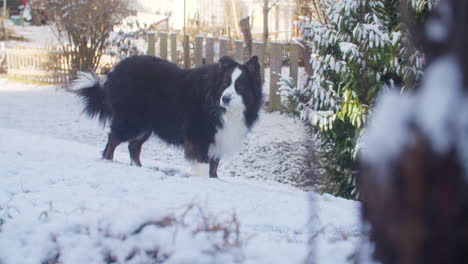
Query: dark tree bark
[
  {"x": 420, "y": 214},
  {"x": 247, "y": 32}
]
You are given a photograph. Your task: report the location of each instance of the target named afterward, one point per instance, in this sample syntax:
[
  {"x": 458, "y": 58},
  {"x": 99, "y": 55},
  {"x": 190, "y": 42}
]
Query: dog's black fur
[{"x": 144, "y": 95}]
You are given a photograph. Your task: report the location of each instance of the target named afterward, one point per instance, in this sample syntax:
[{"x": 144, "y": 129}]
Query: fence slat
[
  {"x": 151, "y": 44},
  {"x": 294, "y": 62},
  {"x": 275, "y": 68},
  {"x": 209, "y": 50},
  {"x": 293, "y": 71},
  {"x": 223, "y": 47},
  {"x": 8, "y": 59},
  {"x": 258, "y": 51},
  {"x": 163, "y": 45},
  {"x": 229, "y": 47},
  {"x": 239, "y": 50},
  {"x": 174, "y": 47},
  {"x": 198, "y": 52},
  {"x": 186, "y": 51},
  {"x": 36, "y": 64}
]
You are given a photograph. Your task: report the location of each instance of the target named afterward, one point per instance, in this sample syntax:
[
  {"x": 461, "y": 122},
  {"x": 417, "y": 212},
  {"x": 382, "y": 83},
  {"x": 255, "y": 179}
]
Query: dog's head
[{"x": 241, "y": 86}]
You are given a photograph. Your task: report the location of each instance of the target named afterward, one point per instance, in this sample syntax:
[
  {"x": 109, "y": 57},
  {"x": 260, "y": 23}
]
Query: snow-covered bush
[
  {"x": 128, "y": 40},
  {"x": 189, "y": 235},
  {"x": 83, "y": 26},
  {"x": 361, "y": 49}
]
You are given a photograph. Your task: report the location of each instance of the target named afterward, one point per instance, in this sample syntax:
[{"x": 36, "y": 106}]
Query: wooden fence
[
  {"x": 208, "y": 50},
  {"x": 49, "y": 65},
  {"x": 35, "y": 64}
]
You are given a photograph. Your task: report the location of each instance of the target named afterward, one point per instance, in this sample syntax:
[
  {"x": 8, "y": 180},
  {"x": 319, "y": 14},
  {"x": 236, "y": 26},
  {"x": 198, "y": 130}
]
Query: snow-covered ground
[
  {"x": 59, "y": 201},
  {"x": 34, "y": 36}
]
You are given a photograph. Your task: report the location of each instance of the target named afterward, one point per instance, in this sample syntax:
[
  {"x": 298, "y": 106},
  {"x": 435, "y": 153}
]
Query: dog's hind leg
[
  {"x": 214, "y": 162},
  {"x": 112, "y": 143},
  {"x": 134, "y": 147},
  {"x": 124, "y": 127}
]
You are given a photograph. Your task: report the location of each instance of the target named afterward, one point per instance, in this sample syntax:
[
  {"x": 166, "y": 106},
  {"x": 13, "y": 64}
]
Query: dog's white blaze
[
  {"x": 83, "y": 80},
  {"x": 236, "y": 99},
  {"x": 229, "y": 138},
  {"x": 200, "y": 169}
]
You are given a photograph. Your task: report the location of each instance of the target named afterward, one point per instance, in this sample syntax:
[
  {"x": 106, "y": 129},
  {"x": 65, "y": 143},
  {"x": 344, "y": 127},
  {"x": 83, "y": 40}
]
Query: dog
[{"x": 207, "y": 110}]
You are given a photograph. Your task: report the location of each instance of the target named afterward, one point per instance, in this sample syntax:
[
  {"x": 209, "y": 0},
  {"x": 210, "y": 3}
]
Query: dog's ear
[
  {"x": 227, "y": 62},
  {"x": 252, "y": 65}
]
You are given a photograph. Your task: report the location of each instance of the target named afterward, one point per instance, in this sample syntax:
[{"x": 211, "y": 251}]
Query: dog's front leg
[{"x": 214, "y": 162}]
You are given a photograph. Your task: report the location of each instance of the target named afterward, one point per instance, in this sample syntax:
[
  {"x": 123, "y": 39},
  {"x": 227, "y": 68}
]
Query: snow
[
  {"x": 436, "y": 30},
  {"x": 58, "y": 196},
  {"x": 347, "y": 47},
  {"x": 440, "y": 101},
  {"x": 366, "y": 247},
  {"x": 437, "y": 27},
  {"x": 35, "y": 36},
  {"x": 393, "y": 112},
  {"x": 438, "y": 109}
]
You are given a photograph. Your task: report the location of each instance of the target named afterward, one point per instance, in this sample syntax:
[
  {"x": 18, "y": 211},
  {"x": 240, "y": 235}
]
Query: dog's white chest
[{"x": 229, "y": 138}]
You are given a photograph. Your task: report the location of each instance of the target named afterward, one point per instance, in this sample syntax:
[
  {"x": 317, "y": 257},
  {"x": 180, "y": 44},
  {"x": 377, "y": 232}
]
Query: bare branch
[
  {"x": 273, "y": 5},
  {"x": 85, "y": 26}
]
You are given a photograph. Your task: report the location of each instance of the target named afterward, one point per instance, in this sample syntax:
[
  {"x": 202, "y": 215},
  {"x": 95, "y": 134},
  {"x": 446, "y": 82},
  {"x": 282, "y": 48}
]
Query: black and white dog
[{"x": 206, "y": 110}]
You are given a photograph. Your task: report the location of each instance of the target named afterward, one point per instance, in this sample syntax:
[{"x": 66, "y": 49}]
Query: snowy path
[{"x": 52, "y": 180}]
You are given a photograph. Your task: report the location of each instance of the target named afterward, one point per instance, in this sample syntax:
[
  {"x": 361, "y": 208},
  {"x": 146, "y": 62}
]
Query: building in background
[{"x": 221, "y": 17}]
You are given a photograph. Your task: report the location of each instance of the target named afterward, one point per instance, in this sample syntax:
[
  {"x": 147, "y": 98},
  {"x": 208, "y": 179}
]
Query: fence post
[
  {"x": 209, "y": 50},
  {"x": 187, "y": 51},
  {"x": 258, "y": 51},
  {"x": 293, "y": 71},
  {"x": 239, "y": 50},
  {"x": 198, "y": 52},
  {"x": 294, "y": 62},
  {"x": 163, "y": 45},
  {"x": 223, "y": 49},
  {"x": 173, "y": 37},
  {"x": 229, "y": 47},
  {"x": 8, "y": 59},
  {"x": 151, "y": 44},
  {"x": 275, "y": 68}
]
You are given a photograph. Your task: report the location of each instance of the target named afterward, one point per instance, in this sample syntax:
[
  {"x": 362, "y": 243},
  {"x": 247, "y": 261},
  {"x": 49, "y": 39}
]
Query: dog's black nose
[{"x": 226, "y": 99}]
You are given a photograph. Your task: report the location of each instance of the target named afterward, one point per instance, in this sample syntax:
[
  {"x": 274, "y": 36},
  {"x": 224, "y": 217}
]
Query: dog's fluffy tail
[{"x": 90, "y": 88}]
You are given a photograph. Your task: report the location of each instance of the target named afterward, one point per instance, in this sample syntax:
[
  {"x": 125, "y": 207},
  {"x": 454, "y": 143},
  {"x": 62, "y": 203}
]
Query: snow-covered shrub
[
  {"x": 190, "y": 235},
  {"x": 127, "y": 41},
  {"x": 83, "y": 26},
  {"x": 130, "y": 37},
  {"x": 311, "y": 9},
  {"x": 361, "y": 49}
]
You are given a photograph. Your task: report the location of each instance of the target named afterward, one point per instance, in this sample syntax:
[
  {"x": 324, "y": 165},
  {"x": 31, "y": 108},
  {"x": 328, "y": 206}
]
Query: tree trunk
[
  {"x": 266, "y": 10},
  {"x": 247, "y": 32},
  {"x": 416, "y": 200}
]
